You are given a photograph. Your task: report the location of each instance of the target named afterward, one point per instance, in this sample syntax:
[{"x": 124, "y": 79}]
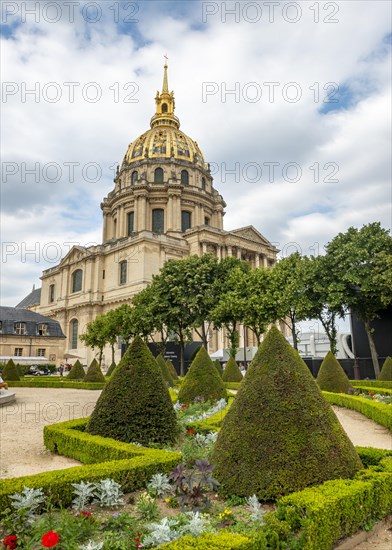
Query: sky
[{"x": 289, "y": 102}]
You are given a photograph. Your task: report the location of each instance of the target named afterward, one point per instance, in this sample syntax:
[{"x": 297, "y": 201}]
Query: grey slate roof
[
  {"x": 11, "y": 315},
  {"x": 32, "y": 299}
]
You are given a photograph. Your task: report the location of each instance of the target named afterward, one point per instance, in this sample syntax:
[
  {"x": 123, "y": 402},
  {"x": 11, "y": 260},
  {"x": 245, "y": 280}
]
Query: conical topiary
[
  {"x": 135, "y": 405},
  {"x": 19, "y": 370},
  {"x": 218, "y": 367},
  {"x": 202, "y": 380},
  {"x": 111, "y": 369},
  {"x": 164, "y": 370},
  {"x": 76, "y": 372},
  {"x": 94, "y": 373},
  {"x": 232, "y": 372},
  {"x": 280, "y": 434},
  {"x": 386, "y": 371},
  {"x": 331, "y": 376},
  {"x": 10, "y": 374},
  {"x": 172, "y": 369}
]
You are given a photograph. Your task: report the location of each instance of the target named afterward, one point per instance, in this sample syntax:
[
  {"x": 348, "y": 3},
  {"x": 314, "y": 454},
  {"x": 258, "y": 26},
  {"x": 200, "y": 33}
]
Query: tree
[
  {"x": 288, "y": 292},
  {"x": 135, "y": 404},
  {"x": 164, "y": 370},
  {"x": 148, "y": 317},
  {"x": 94, "y": 373},
  {"x": 361, "y": 266},
  {"x": 202, "y": 380},
  {"x": 9, "y": 372},
  {"x": 331, "y": 376},
  {"x": 386, "y": 371},
  {"x": 77, "y": 371},
  {"x": 280, "y": 435},
  {"x": 96, "y": 335},
  {"x": 318, "y": 281},
  {"x": 229, "y": 310}
]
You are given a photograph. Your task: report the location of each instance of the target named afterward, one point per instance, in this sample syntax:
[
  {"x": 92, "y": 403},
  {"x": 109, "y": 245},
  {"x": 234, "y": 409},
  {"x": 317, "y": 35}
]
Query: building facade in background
[{"x": 163, "y": 206}]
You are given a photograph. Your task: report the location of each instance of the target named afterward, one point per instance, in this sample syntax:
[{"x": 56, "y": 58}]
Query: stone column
[
  {"x": 238, "y": 252},
  {"x": 170, "y": 213},
  {"x": 257, "y": 260},
  {"x": 229, "y": 250},
  {"x": 265, "y": 261},
  {"x": 204, "y": 246}
]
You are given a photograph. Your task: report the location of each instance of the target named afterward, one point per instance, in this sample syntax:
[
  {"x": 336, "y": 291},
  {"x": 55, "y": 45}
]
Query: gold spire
[
  {"x": 164, "y": 101},
  {"x": 165, "y": 87}
]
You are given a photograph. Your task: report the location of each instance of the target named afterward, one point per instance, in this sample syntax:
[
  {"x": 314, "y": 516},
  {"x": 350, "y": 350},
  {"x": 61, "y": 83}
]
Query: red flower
[
  {"x": 371, "y": 393},
  {"x": 10, "y": 542},
  {"x": 184, "y": 406},
  {"x": 50, "y": 539},
  {"x": 191, "y": 432},
  {"x": 87, "y": 515}
]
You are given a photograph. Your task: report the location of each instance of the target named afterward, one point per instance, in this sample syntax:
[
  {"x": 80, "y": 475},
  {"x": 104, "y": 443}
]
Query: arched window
[
  {"x": 158, "y": 220},
  {"x": 74, "y": 333},
  {"x": 186, "y": 220},
  {"x": 158, "y": 175},
  {"x": 134, "y": 177},
  {"x": 184, "y": 177},
  {"x": 123, "y": 272},
  {"x": 77, "y": 278},
  {"x": 164, "y": 107},
  {"x": 203, "y": 183},
  {"x": 51, "y": 294}
]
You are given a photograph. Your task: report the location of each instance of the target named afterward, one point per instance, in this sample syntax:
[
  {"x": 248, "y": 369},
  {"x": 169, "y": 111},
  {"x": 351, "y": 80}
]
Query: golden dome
[{"x": 164, "y": 140}]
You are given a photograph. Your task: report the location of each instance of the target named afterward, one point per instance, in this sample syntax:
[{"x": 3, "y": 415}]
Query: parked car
[{"x": 35, "y": 370}]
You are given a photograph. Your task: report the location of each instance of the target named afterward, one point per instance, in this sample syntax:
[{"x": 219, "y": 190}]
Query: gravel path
[{"x": 22, "y": 451}]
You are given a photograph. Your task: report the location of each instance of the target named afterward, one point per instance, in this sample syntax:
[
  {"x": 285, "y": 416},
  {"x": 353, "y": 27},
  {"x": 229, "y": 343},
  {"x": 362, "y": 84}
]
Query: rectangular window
[
  {"x": 158, "y": 221},
  {"x": 123, "y": 273},
  {"x": 186, "y": 219},
  {"x": 51, "y": 293},
  {"x": 130, "y": 223},
  {"x": 103, "y": 274},
  {"x": 18, "y": 352},
  {"x": 43, "y": 329},
  {"x": 41, "y": 352},
  {"x": 20, "y": 328},
  {"x": 206, "y": 221}
]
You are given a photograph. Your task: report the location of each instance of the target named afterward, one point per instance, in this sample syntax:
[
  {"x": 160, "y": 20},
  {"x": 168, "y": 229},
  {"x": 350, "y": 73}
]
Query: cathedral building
[{"x": 163, "y": 206}]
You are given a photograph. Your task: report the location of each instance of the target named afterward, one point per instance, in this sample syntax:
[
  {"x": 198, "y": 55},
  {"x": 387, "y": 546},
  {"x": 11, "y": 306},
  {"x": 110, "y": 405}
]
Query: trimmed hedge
[
  {"x": 110, "y": 370},
  {"x": 280, "y": 435},
  {"x": 331, "y": 377},
  {"x": 172, "y": 369},
  {"x": 63, "y": 383},
  {"x": 76, "y": 372},
  {"x": 162, "y": 364},
  {"x": 207, "y": 541},
  {"x": 386, "y": 371},
  {"x": 218, "y": 366},
  {"x": 130, "y": 465},
  {"x": 372, "y": 383},
  {"x": 9, "y": 372},
  {"x": 135, "y": 404},
  {"x": 94, "y": 373},
  {"x": 232, "y": 372},
  {"x": 233, "y": 385},
  {"x": 379, "y": 412},
  {"x": 202, "y": 380}
]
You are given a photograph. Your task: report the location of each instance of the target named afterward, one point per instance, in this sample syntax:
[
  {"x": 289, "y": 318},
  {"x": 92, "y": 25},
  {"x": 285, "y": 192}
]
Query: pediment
[
  {"x": 76, "y": 254},
  {"x": 250, "y": 233}
]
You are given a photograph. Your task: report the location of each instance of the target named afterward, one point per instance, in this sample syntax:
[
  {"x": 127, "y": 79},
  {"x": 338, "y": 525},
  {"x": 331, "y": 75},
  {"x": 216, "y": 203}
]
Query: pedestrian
[{"x": 61, "y": 369}]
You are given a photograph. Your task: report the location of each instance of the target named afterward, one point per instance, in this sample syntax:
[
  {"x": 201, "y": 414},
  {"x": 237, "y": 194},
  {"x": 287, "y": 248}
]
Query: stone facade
[{"x": 163, "y": 206}]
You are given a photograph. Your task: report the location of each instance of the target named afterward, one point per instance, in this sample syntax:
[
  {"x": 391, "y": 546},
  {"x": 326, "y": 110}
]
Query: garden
[{"x": 187, "y": 463}]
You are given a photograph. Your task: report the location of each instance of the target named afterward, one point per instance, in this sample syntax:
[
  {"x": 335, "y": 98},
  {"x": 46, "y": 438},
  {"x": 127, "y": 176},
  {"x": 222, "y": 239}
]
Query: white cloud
[{"x": 229, "y": 132}]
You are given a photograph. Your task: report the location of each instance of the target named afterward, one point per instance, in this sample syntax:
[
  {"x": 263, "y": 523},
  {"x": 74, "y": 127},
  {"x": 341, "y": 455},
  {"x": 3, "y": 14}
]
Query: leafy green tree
[
  {"x": 230, "y": 307},
  {"x": 361, "y": 266},
  {"x": 319, "y": 284},
  {"x": 288, "y": 291},
  {"x": 96, "y": 335},
  {"x": 148, "y": 317}
]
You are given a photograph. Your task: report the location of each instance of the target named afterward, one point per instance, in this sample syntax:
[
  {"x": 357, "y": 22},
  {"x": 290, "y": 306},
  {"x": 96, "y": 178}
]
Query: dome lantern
[{"x": 165, "y": 105}]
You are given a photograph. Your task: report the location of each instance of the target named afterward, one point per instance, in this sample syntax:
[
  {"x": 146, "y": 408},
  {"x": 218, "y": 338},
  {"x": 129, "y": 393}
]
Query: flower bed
[
  {"x": 379, "y": 412},
  {"x": 370, "y": 391}
]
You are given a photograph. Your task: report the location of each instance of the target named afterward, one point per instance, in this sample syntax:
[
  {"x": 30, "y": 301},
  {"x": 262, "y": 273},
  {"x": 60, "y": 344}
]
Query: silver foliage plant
[
  {"x": 255, "y": 508},
  {"x": 219, "y": 406},
  {"x": 108, "y": 493},
  {"x": 105, "y": 492},
  {"x": 198, "y": 524},
  {"x": 28, "y": 499},
  {"x": 92, "y": 546},
  {"x": 84, "y": 492},
  {"x": 161, "y": 532},
  {"x": 160, "y": 485}
]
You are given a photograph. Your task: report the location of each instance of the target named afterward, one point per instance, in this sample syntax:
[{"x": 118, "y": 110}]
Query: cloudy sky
[{"x": 289, "y": 102}]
